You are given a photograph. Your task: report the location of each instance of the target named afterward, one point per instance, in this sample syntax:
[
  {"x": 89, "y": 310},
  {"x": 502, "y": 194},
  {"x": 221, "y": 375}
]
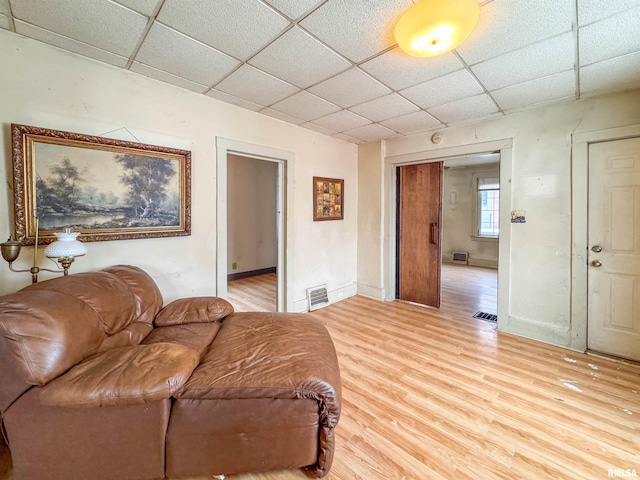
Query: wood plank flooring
[
  {"x": 436, "y": 394},
  {"x": 253, "y": 294}
]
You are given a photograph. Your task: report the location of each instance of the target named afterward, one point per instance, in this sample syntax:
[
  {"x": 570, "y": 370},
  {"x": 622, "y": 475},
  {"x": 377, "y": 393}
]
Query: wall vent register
[
  {"x": 317, "y": 297},
  {"x": 461, "y": 258}
]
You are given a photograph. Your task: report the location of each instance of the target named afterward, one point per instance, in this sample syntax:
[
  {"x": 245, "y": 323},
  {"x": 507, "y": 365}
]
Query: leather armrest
[
  {"x": 123, "y": 376},
  {"x": 193, "y": 310}
]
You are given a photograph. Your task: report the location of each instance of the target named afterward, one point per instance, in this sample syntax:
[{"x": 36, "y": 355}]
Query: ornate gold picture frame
[{"x": 328, "y": 199}]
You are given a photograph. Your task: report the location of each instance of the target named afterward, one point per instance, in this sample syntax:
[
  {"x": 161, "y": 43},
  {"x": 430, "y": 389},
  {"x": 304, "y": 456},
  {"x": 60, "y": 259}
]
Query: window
[{"x": 488, "y": 211}]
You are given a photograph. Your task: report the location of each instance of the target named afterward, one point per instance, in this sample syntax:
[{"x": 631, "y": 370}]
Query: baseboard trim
[
  {"x": 251, "y": 273},
  {"x": 336, "y": 295}
]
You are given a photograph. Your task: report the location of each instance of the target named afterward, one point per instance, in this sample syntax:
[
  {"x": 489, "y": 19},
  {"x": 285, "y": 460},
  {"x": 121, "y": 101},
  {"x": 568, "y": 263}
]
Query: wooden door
[
  {"x": 614, "y": 248},
  {"x": 420, "y": 217}
]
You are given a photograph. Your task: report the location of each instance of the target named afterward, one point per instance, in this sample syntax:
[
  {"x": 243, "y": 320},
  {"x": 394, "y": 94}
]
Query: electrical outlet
[
  {"x": 340, "y": 294},
  {"x": 234, "y": 265}
]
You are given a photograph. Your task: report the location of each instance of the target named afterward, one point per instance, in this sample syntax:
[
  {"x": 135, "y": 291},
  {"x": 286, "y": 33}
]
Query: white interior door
[{"x": 614, "y": 248}]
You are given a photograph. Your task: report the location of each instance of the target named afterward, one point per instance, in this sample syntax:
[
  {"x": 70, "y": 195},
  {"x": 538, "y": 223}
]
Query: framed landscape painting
[
  {"x": 104, "y": 188},
  {"x": 328, "y": 199}
]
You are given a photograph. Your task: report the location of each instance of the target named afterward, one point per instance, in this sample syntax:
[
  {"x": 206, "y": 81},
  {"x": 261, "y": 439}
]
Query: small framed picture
[{"x": 328, "y": 199}]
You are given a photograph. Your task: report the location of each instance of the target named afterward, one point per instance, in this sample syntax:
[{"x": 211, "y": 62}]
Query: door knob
[
  {"x": 596, "y": 263},
  {"x": 596, "y": 248}
]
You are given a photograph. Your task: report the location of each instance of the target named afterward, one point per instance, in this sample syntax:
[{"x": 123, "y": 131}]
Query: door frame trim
[
  {"x": 505, "y": 148},
  {"x": 579, "y": 224},
  {"x": 284, "y": 212}
]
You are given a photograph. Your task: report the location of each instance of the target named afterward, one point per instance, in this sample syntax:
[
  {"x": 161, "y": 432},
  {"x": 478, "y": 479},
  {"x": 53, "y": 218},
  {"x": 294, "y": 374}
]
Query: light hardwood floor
[
  {"x": 436, "y": 394},
  {"x": 253, "y": 293}
]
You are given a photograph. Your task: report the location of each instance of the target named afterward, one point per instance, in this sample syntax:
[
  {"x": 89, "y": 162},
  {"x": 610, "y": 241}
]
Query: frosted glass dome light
[{"x": 66, "y": 245}]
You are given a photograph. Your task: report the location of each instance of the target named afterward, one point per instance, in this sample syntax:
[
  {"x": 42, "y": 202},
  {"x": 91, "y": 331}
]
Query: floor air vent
[
  {"x": 460, "y": 257},
  {"x": 317, "y": 297},
  {"x": 489, "y": 317}
]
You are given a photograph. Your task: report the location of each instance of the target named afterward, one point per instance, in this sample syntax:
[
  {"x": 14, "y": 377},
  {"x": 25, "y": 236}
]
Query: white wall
[
  {"x": 458, "y": 218},
  {"x": 51, "y": 88},
  {"x": 539, "y": 266},
  {"x": 251, "y": 214}
]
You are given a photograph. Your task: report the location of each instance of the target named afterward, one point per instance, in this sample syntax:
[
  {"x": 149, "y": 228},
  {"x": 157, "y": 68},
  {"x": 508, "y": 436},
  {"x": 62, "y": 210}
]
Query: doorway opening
[
  {"x": 284, "y": 162},
  {"x": 462, "y": 227},
  {"x": 252, "y": 233}
]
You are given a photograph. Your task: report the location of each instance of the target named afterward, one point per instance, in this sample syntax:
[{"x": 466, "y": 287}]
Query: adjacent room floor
[{"x": 436, "y": 394}]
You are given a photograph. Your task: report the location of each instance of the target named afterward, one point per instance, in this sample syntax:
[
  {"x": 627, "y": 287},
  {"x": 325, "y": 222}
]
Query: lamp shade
[
  {"x": 434, "y": 27},
  {"x": 66, "y": 245}
]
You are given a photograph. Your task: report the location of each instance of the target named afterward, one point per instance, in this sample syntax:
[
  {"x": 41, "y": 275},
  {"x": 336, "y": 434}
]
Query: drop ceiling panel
[
  {"x": 445, "y": 89},
  {"x": 350, "y": 88},
  {"x": 590, "y": 11},
  {"x": 294, "y": 8},
  {"x": 256, "y": 86},
  {"x": 167, "y": 77},
  {"x": 553, "y": 87},
  {"x": 297, "y": 58},
  {"x": 281, "y": 116},
  {"x": 534, "y": 61},
  {"x": 66, "y": 43},
  {"x": 369, "y": 133},
  {"x": 413, "y": 123},
  {"x": 466, "y": 109},
  {"x": 233, "y": 100},
  {"x": 4, "y": 7},
  {"x": 621, "y": 73},
  {"x": 317, "y": 128},
  {"x": 399, "y": 70},
  {"x": 173, "y": 52},
  {"x": 346, "y": 138},
  {"x": 506, "y": 25},
  {"x": 615, "y": 36},
  {"x": 385, "y": 107},
  {"x": 341, "y": 121},
  {"x": 238, "y": 27},
  {"x": 99, "y": 23},
  {"x": 4, "y": 22},
  {"x": 145, "y": 7},
  {"x": 306, "y": 106},
  {"x": 356, "y": 29}
]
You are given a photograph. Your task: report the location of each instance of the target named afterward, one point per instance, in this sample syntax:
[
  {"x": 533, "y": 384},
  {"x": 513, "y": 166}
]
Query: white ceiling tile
[
  {"x": 297, "y": 58},
  {"x": 340, "y": 121},
  {"x": 317, "y": 128},
  {"x": 255, "y": 86},
  {"x": 534, "y": 61},
  {"x": 370, "y": 133},
  {"x": 173, "y": 52},
  {"x": 385, "y": 107},
  {"x": 357, "y": 29},
  {"x": 540, "y": 90},
  {"x": 465, "y": 109},
  {"x": 4, "y": 7},
  {"x": 445, "y": 89},
  {"x": 399, "y": 70},
  {"x": 294, "y": 8},
  {"x": 237, "y": 27},
  {"x": 506, "y": 25},
  {"x": 590, "y": 11},
  {"x": 350, "y": 88},
  {"x": 66, "y": 43},
  {"x": 615, "y": 36},
  {"x": 281, "y": 116},
  {"x": 4, "y": 22},
  {"x": 239, "y": 102},
  {"x": 99, "y": 23},
  {"x": 413, "y": 123},
  {"x": 620, "y": 73},
  {"x": 145, "y": 7},
  {"x": 306, "y": 106},
  {"x": 167, "y": 77},
  {"x": 346, "y": 138}
]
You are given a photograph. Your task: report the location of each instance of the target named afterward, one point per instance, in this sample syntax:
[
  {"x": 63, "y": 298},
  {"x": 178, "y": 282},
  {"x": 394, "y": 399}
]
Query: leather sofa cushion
[
  {"x": 109, "y": 296},
  {"x": 123, "y": 376},
  {"x": 197, "y": 336},
  {"x": 48, "y": 332},
  {"x": 270, "y": 355},
  {"x": 147, "y": 295},
  {"x": 193, "y": 310}
]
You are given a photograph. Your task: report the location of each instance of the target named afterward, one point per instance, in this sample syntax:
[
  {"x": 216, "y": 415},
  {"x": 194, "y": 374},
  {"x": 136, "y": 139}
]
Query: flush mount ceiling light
[{"x": 434, "y": 27}]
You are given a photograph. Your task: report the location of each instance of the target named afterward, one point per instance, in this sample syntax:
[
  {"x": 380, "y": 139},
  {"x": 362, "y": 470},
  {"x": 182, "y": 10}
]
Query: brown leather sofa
[{"x": 98, "y": 381}]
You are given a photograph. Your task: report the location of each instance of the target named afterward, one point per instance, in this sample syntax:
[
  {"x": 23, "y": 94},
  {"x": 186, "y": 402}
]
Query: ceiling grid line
[
  {"x": 143, "y": 36},
  {"x": 575, "y": 29}
]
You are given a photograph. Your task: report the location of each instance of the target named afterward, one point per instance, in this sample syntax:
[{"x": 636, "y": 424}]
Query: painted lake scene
[{"x": 90, "y": 189}]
